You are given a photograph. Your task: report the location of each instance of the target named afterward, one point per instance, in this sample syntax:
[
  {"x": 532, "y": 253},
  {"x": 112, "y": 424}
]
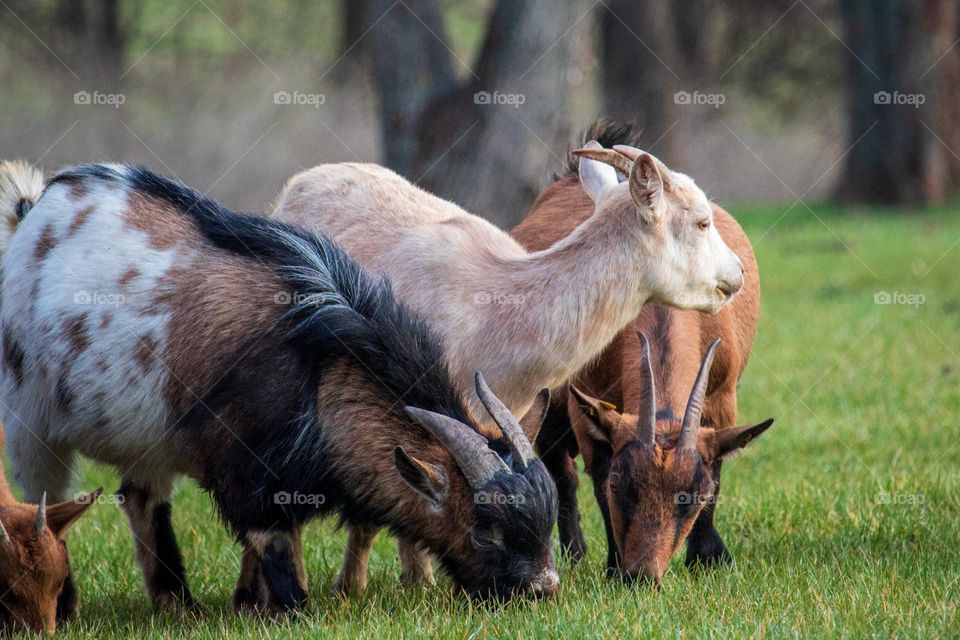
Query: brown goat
[
  {"x": 34, "y": 566},
  {"x": 679, "y": 337}
]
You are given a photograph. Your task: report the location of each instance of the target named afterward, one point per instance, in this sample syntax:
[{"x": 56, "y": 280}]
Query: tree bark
[
  {"x": 484, "y": 141},
  {"x": 896, "y": 102},
  {"x": 640, "y": 70}
]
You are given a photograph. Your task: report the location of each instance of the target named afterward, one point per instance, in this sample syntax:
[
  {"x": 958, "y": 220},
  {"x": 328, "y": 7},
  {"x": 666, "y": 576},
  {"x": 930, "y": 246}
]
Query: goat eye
[{"x": 703, "y": 225}]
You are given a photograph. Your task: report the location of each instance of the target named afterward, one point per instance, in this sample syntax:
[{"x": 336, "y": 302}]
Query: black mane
[
  {"x": 337, "y": 308},
  {"x": 607, "y": 133}
]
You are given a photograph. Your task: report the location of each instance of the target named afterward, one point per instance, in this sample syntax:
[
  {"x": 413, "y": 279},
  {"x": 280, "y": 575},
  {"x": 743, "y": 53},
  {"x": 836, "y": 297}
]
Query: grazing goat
[
  {"x": 147, "y": 327},
  {"x": 652, "y": 474},
  {"x": 35, "y": 590},
  {"x": 679, "y": 338},
  {"x": 531, "y": 320}
]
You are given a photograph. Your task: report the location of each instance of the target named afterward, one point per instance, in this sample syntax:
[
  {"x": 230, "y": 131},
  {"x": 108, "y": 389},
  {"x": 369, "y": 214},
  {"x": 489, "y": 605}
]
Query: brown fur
[
  {"x": 128, "y": 276},
  {"x": 44, "y": 244},
  {"x": 79, "y": 220},
  {"x": 33, "y": 567}
]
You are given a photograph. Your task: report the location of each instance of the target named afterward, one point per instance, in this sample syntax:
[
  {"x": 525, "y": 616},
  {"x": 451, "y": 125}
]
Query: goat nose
[{"x": 546, "y": 584}]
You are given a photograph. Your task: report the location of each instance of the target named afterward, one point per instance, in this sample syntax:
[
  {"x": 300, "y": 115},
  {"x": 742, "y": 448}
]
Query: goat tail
[{"x": 20, "y": 187}]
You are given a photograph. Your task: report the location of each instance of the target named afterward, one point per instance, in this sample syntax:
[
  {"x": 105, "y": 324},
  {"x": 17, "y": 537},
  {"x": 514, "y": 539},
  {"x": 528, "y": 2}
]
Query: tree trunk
[
  {"x": 640, "y": 71},
  {"x": 894, "y": 100},
  {"x": 484, "y": 142}
]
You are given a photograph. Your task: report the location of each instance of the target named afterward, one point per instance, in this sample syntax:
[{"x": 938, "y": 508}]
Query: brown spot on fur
[
  {"x": 105, "y": 320},
  {"x": 79, "y": 220},
  {"x": 163, "y": 225},
  {"x": 102, "y": 365},
  {"x": 44, "y": 244},
  {"x": 128, "y": 276},
  {"x": 75, "y": 332},
  {"x": 78, "y": 190},
  {"x": 145, "y": 352}
]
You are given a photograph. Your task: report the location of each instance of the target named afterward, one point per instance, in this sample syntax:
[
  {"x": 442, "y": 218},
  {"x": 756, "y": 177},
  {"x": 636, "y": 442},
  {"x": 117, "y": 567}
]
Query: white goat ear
[
  {"x": 646, "y": 187},
  {"x": 596, "y": 176}
]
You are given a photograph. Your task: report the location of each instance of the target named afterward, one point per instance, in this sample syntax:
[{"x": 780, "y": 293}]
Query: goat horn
[
  {"x": 478, "y": 462},
  {"x": 4, "y": 536},
  {"x": 632, "y": 153},
  {"x": 606, "y": 156},
  {"x": 42, "y": 514},
  {"x": 647, "y": 404},
  {"x": 691, "y": 419},
  {"x": 517, "y": 440}
]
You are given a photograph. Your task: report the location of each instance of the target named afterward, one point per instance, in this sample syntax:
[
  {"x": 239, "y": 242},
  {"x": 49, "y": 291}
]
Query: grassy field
[{"x": 843, "y": 518}]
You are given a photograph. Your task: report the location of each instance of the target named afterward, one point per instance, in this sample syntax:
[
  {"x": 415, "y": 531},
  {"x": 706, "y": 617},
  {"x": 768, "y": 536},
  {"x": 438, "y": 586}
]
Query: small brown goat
[
  {"x": 679, "y": 337},
  {"x": 34, "y": 566}
]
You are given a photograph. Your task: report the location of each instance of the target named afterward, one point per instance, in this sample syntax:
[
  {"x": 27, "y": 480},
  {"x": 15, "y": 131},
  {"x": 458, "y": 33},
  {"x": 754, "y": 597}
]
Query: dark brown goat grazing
[
  {"x": 34, "y": 566},
  {"x": 264, "y": 362},
  {"x": 679, "y": 338}
]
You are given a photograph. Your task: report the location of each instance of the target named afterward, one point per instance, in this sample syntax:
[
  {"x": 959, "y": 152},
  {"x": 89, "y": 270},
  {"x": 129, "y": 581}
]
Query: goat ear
[
  {"x": 428, "y": 479},
  {"x": 729, "y": 441},
  {"x": 533, "y": 419},
  {"x": 646, "y": 187},
  {"x": 602, "y": 417},
  {"x": 596, "y": 176},
  {"x": 62, "y": 516}
]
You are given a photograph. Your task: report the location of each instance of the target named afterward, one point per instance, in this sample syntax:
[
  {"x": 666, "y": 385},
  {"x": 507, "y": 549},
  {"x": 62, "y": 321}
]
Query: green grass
[{"x": 843, "y": 518}]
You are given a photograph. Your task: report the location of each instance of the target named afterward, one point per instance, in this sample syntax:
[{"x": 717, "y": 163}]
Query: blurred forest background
[{"x": 478, "y": 100}]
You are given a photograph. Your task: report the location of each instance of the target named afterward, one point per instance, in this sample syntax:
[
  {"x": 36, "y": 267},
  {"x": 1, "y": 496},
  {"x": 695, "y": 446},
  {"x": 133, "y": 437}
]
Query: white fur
[{"x": 117, "y": 415}]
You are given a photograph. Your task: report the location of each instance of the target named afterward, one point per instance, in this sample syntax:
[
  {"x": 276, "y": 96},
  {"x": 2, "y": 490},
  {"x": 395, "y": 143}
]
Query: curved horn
[
  {"x": 607, "y": 156},
  {"x": 478, "y": 462},
  {"x": 4, "y": 536},
  {"x": 42, "y": 514},
  {"x": 691, "y": 418},
  {"x": 647, "y": 405},
  {"x": 517, "y": 440}
]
